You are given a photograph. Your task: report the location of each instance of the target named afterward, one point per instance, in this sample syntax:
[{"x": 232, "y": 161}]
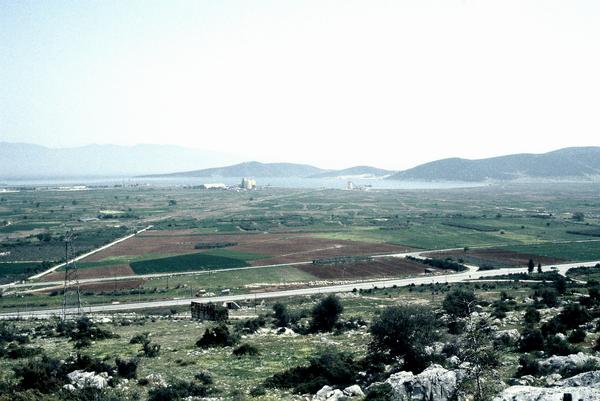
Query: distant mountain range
[
  {"x": 19, "y": 160},
  {"x": 257, "y": 169},
  {"x": 358, "y": 171},
  {"x": 23, "y": 160},
  {"x": 250, "y": 169},
  {"x": 567, "y": 163}
]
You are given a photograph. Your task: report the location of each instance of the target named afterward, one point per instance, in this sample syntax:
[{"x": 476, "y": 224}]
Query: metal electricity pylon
[{"x": 71, "y": 292}]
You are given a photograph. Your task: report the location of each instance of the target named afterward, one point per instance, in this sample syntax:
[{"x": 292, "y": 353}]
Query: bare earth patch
[
  {"x": 380, "y": 267},
  {"x": 496, "y": 256}
]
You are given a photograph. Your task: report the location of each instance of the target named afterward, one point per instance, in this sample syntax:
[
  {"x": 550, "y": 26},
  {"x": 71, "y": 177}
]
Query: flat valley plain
[
  {"x": 249, "y": 241},
  {"x": 211, "y": 231}
]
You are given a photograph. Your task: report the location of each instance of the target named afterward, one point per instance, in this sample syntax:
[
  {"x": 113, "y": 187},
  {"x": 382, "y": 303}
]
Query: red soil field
[
  {"x": 380, "y": 267},
  {"x": 96, "y": 272},
  {"x": 112, "y": 286},
  {"x": 496, "y": 256},
  {"x": 282, "y": 248}
]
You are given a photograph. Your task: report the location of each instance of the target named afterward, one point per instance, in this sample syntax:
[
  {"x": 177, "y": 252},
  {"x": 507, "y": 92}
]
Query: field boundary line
[{"x": 85, "y": 255}]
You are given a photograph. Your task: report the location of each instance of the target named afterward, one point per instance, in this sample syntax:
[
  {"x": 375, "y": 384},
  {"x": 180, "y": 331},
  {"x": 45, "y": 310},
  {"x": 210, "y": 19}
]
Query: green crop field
[
  {"x": 575, "y": 251},
  {"x": 182, "y": 263}
]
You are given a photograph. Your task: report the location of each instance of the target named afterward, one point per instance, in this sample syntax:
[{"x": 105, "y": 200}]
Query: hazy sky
[{"x": 333, "y": 83}]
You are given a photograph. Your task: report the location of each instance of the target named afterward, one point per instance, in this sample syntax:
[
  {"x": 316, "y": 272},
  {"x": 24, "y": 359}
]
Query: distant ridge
[
  {"x": 20, "y": 160},
  {"x": 581, "y": 163},
  {"x": 358, "y": 171},
  {"x": 249, "y": 169}
]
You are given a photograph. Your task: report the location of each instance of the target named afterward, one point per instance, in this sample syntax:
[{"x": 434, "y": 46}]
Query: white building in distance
[
  {"x": 215, "y": 185},
  {"x": 248, "y": 183}
]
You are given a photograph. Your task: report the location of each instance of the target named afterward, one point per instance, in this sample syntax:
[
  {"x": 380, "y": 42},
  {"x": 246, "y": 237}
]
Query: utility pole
[{"x": 71, "y": 291}]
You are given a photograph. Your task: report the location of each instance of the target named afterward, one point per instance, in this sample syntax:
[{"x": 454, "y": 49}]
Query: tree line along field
[{"x": 275, "y": 226}]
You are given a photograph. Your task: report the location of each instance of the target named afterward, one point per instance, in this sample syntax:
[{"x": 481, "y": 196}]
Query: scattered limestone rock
[
  {"x": 553, "y": 379},
  {"x": 529, "y": 393},
  {"x": 322, "y": 394},
  {"x": 354, "y": 391},
  {"x": 513, "y": 335},
  {"x": 569, "y": 362},
  {"x": 156, "y": 380},
  {"x": 82, "y": 379},
  {"x": 587, "y": 379},
  {"x": 434, "y": 383}
]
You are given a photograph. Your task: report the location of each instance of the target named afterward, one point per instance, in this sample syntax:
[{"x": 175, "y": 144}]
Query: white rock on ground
[
  {"x": 156, "y": 380},
  {"x": 529, "y": 393},
  {"x": 81, "y": 379},
  {"x": 559, "y": 363},
  {"x": 321, "y": 395},
  {"x": 434, "y": 383},
  {"x": 587, "y": 379},
  {"x": 354, "y": 391}
]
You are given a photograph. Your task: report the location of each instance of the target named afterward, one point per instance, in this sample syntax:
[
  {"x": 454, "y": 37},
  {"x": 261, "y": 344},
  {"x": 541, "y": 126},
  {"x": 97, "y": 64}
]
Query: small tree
[
  {"x": 561, "y": 285},
  {"x": 282, "y": 316},
  {"x": 530, "y": 266},
  {"x": 539, "y": 269},
  {"x": 326, "y": 314},
  {"x": 477, "y": 348},
  {"x": 459, "y": 302},
  {"x": 404, "y": 332}
]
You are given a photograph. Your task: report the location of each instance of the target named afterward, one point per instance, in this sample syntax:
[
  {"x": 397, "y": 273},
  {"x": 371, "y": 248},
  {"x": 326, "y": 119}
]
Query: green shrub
[
  {"x": 459, "y": 302},
  {"x": 258, "y": 391},
  {"x": 531, "y": 340},
  {"x": 204, "y": 378},
  {"x": 151, "y": 350},
  {"x": 250, "y": 326},
  {"x": 404, "y": 331},
  {"x": 140, "y": 338},
  {"x": 127, "y": 369},
  {"x": 282, "y": 316},
  {"x": 245, "y": 350},
  {"x": 555, "y": 345},
  {"x": 218, "y": 336},
  {"x": 326, "y": 314},
  {"x": 178, "y": 390},
  {"x": 380, "y": 392},
  {"x": 328, "y": 368},
  {"x": 528, "y": 365},
  {"x": 577, "y": 336}
]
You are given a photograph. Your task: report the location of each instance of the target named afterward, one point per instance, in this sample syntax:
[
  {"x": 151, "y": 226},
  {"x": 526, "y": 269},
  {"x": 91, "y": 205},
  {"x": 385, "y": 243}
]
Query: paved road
[{"x": 470, "y": 274}]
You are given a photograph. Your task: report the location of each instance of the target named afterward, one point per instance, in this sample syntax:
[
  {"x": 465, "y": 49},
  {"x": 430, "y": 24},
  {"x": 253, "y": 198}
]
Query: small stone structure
[{"x": 208, "y": 311}]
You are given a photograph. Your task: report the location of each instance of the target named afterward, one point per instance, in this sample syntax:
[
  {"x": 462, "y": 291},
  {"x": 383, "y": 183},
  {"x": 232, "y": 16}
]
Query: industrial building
[{"x": 248, "y": 183}]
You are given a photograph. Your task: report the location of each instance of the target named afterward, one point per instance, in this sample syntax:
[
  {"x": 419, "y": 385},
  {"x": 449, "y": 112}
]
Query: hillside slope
[{"x": 578, "y": 163}]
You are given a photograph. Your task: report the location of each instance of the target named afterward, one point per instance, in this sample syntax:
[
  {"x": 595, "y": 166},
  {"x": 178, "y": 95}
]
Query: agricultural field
[{"x": 204, "y": 231}]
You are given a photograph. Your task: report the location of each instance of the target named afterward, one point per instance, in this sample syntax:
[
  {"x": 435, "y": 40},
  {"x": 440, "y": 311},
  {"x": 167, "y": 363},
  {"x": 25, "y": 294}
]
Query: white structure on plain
[
  {"x": 248, "y": 183},
  {"x": 213, "y": 185},
  {"x": 350, "y": 186}
]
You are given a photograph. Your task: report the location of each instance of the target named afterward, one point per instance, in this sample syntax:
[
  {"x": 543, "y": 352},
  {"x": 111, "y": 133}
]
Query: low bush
[
  {"x": 380, "y": 392},
  {"x": 245, "y": 350},
  {"x": 204, "y": 378},
  {"x": 127, "y": 369},
  {"x": 179, "y": 390},
  {"x": 528, "y": 365},
  {"x": 218, "y": 336},
  {"x": 328, "y": 368},
  {"x": 250, "y": 326},
  {"x": 151, "y": 350},
  {"x": 577, "y": 336}
]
